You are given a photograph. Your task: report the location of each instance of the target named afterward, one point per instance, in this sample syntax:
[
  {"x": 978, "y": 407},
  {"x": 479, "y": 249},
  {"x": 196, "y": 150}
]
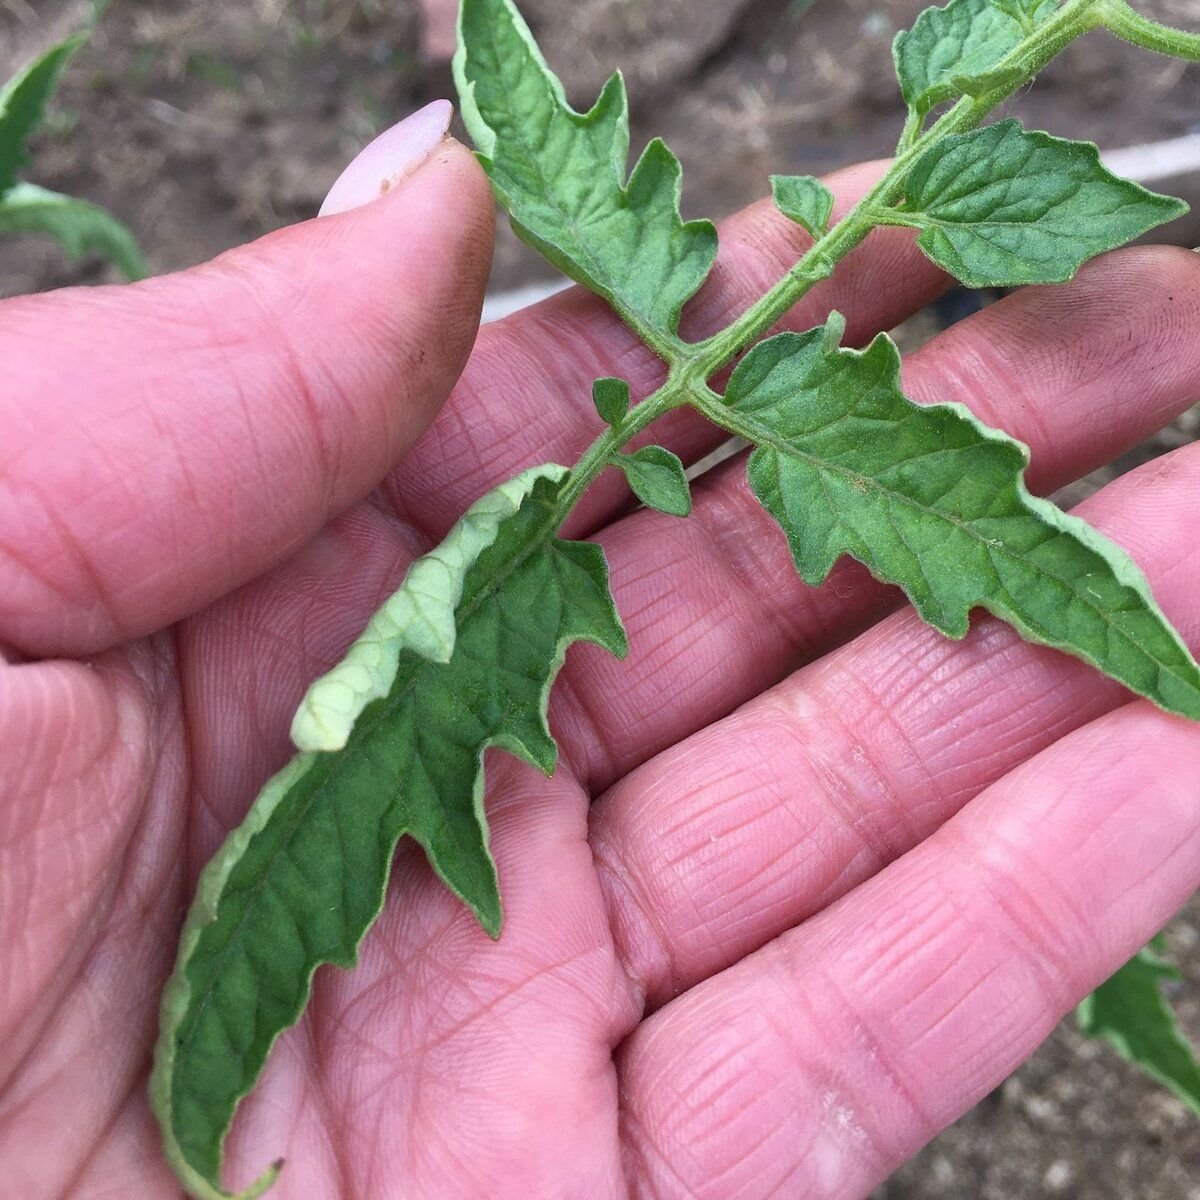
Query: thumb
[{"x": 168, "y": 441}]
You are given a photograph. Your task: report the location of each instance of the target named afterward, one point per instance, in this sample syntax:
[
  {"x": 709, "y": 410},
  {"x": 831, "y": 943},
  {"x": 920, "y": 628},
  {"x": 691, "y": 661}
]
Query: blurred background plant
[
  {"x": 202, "y": 126},
  {"x": 81, "y": 228}
]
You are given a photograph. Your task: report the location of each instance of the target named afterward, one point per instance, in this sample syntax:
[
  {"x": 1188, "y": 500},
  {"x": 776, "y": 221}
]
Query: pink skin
[{"x": 842, "y": 875}]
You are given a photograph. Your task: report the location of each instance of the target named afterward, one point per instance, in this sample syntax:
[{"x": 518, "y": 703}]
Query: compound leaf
[
  {"x": 561, "y": 175},
  {"x": 657, "y": 479},
  {"x": 23, "y": 103},
  {"x": 1004, "y": 206},
  {"x": 79, "y": 227},
  {"x": 1131, "y": 1013},
  {"x": 805, "y": 200},
  {"x": 934, "y": 501},
  {"x": 392, "y": 743},
  {"x": 947, "y": 47}
]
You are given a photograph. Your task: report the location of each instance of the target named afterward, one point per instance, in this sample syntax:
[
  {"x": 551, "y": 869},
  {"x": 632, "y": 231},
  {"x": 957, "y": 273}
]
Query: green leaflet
[
  {"x": 1003, "y": 206},
  {"x": 657, "y": 478},
  {"x": 81, "y": 228},
  {"x": 415, "y": 707},
  {"x": 561, "y": 175},
  {"x": 947, "y": 47},
  {"x": 23, "y": 103},
  {"x": 934, "y": 501},
  {"x": 805, "y": 200},
  {"x": 1131, "y": 1013},
  {"x": 611, "y": 398}
]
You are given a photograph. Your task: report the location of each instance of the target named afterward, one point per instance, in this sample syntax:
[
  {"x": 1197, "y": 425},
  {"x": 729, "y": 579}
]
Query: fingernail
[{"x": 392, "y": 156}]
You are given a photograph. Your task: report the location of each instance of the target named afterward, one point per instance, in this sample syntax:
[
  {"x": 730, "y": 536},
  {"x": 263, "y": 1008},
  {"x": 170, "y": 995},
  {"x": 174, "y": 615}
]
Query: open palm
[{"x": 809, "y": 880}]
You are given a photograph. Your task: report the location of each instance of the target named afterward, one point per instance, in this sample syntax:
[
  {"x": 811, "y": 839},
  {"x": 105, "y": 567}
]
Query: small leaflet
[
  {"x": 611, "y": 398},
  {"x": 657, "y": 479},
  {"x": 805, "y": 200}
]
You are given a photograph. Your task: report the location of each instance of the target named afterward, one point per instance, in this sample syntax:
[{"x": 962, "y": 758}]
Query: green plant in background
[
  {"x": 462, "y": 658},
  {"x": 80, "y": 227}
]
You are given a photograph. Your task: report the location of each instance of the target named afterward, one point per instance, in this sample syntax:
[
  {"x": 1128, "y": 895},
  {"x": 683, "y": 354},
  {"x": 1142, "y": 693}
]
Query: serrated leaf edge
[
  {"x": 1124, "y": 569},
  {"x": 929, "y": 227}
]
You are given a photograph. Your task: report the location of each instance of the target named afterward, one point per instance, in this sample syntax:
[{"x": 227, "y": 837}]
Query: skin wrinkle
[
  {"x": 879, "y": 716},
  {"x": 74, "y": 552},
  {"x": 72, "y": 956},
  {"x": 926, "y": 1126},
  {"x": 1031, "y": 930},
  {"x": 297, "y": 369}
]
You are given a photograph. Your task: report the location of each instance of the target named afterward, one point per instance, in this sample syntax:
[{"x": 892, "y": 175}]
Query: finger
[
  {"x": 746, "y": 829},
  {"x": 526, "y": 396},
  {"x": 166, "y": 442},
  {"x": 714, "y": 607},
  {"x": 819, "y": 1064},
  {"x": 72, "y": 775}
]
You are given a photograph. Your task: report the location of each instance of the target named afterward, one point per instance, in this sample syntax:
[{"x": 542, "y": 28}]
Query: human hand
[{"x": 840, "y": 876}]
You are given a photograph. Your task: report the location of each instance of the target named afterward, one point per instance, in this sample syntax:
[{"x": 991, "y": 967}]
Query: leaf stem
[
  {"x": 1121, "y": 19},
  {"x": 693, "y": 365}
]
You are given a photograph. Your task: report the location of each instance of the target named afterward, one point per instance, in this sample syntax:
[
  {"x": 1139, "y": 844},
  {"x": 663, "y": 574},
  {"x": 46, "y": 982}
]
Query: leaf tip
[{"x": 835, "y": 331}]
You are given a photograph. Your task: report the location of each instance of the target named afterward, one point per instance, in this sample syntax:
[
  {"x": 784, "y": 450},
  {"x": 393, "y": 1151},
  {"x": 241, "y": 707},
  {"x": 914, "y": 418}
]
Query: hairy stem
[{"x": 1126, "y": 23}]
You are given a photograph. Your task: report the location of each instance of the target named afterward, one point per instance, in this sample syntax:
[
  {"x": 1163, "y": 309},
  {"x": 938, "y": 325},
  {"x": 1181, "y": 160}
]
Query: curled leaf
[{"x": 299, "y": 883}]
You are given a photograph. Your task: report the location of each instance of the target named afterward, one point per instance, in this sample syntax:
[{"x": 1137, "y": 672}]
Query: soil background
[{"x": 206, "y": 125}]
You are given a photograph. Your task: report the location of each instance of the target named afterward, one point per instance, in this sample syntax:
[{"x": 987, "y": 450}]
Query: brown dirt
[{"x": 206, "y": 125}]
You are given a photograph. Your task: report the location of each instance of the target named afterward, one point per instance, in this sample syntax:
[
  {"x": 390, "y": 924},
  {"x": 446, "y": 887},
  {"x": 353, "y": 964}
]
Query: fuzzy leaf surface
[
  {"x": 935, "y": 502},
  {"x": 965, "y": 39},
  {"x": 23, "y": 103},
  {"x": 561, "y": 175},
  {"x": 304, "y": 877},
  {"x": 657, "y": 478},
  {"x": 805, "y": 200},
  {"x": 1132, "y": 1014},
  {"x": 1003, "y": 206},
  {"x": 79, "y": 227}
]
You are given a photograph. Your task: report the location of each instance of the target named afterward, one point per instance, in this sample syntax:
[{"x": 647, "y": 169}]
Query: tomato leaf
[
  {"x": 805, "y": 200},
  {"x": 947, "y": 47},
  {"x": 23, "y": 102},
  {"x": 657, "y": 479},
  {"x": 79, "y": 227},
  {"x": 1131, "y": 1013},
  {"x": 392, "y": 743},
  {"x": 611, "y": 398},
  {"x": 933, "y": 501}
]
